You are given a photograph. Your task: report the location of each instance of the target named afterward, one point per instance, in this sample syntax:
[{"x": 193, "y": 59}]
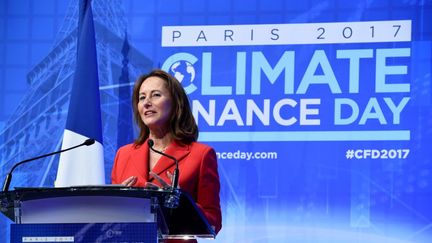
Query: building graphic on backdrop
[{"x": 37, "y": 125}]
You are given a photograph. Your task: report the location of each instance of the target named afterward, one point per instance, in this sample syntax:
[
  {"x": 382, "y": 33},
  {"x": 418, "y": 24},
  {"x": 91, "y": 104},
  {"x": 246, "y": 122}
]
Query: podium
[{"x": 101, "y": 214}]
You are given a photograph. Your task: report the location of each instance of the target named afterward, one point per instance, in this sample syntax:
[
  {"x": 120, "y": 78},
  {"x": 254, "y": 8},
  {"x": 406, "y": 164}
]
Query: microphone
[
  {"x": 173, "y": 199},
  {"x": 8, "y": 179},
  {"x": 175, "y": 177}
]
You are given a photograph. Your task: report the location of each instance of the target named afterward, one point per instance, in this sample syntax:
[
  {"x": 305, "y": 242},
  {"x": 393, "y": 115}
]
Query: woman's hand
[
  {"x": 164, "y": 184},
  {"x": 130, "y": 181}
]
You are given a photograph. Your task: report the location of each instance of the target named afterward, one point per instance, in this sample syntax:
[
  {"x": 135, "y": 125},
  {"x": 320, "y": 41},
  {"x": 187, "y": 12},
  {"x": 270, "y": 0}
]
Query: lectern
[{"x": 101, "y": 214}]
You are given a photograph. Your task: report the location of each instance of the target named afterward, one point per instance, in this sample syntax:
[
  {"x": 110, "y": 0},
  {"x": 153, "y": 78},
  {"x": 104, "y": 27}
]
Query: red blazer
[{"x": 197, "y": 167}]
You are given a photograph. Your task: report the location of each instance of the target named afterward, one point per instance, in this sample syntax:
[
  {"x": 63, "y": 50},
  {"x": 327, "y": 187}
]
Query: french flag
[{"x": 84, "y": 165}]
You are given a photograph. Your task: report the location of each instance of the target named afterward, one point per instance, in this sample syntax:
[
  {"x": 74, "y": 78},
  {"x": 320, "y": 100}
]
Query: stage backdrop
[{"x": 320, "y": 111}]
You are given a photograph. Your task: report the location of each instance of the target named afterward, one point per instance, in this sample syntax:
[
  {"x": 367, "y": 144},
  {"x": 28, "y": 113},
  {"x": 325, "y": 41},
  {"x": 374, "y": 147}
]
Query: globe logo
[{"x": 183, "y": 71}]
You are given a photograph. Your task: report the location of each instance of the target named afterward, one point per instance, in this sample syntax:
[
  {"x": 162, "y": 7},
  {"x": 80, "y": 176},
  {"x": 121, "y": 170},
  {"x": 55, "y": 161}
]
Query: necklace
[{"x": 161, "y": 150}]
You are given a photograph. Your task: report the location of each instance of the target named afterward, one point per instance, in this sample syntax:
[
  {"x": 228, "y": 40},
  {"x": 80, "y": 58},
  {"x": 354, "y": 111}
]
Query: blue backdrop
[{"x": 319, "y": 110}]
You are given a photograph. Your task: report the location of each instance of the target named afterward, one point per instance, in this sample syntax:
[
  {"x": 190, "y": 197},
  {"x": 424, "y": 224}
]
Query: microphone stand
[
  {"x": 172, "y": 200},
  {"x": 8, "y": 179}
]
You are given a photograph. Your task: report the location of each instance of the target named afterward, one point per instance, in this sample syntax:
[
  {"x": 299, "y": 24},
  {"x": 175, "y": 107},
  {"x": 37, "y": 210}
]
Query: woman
[{"x": 163, "y": 114}]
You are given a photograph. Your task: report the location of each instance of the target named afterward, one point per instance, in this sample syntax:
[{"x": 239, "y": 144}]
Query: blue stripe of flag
[{"x": 84, "y": 115}]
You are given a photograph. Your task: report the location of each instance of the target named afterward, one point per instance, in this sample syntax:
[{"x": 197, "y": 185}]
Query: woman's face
[{"x": 154, "y": 103}]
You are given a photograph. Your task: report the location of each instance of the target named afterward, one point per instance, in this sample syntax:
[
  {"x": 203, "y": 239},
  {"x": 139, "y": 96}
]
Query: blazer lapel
[
  {"x": 140, "y": 157},
  {"x": 176, "y": 150}
]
